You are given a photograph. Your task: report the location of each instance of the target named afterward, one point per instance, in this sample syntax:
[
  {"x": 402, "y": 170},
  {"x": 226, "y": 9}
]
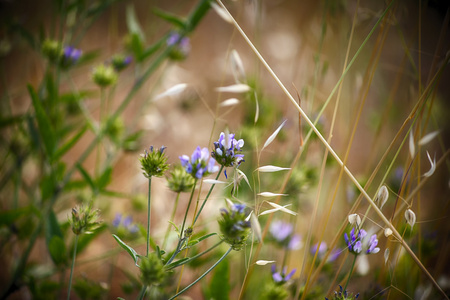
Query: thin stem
[
  {"x": 142, "y": 292},
  {"x": 207, "y": 196},
  {"x": 187, "y": 209},
  {"x": 73, "y": 266},
  {"x": 350, "y": 274},
  {"x": 203, "y": 275},
  {"x": 148, "y": 212},
  {"x": 171, "y": 219},
  {"x": 197, "y": 256}
]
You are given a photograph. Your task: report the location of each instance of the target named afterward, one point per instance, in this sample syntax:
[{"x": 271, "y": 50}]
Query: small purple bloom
[
  {"x": 373, "y": 245},
  {"x": 70, "y": 56},
  {"x": 117, "y": 219},
  {"x": 281, "y": 277},
  {"x": 283, "y": 234},
  {"x": 200, "y": 164},
  {"x": 226, "y": 150}
]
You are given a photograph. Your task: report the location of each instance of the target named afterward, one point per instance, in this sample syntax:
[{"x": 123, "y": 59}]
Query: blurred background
[{"x": 305, "y": 43}]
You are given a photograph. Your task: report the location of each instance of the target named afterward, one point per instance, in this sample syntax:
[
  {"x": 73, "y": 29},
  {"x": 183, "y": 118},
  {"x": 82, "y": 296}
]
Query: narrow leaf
[
  {"x": 242, "y": 174},
  {"x": 45, "y": 128},
  {"x": 235, "y": 88},
  {"x": 273, "y": 136},
  {"x": 428, "y": 138},
  {"x": 175, "y": 90},
  {"x": 270, "y": 169},
  {"x": 171, "y": 18},
  {"x": 133, "y": 23},
  {"x": 86, "y": 177},
  {"x": 177, "y": 263},
  {"x": 70, "y": 143},
  {"x": 127, "y": 248}
]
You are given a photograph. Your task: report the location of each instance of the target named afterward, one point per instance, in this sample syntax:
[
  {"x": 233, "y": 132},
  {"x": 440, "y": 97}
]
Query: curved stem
[
  {"x": 187, "y": 210},
  {"x": 148, "y": 212},
  {"x": 196, "y": 256},
  {"x": 203, "y": 275},
  {"x": 73, "y": 266},
  {"x": 350, "y": 274}
]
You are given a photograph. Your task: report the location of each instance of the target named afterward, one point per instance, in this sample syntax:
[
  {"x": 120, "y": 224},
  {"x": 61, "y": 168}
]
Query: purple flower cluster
[
  {"x": 70, "y": 56},
  {"x": 284, "y": 236},
  {"x": 281, "y": 277},
  {"x": 181, "y": 45},
  {"x": 199, "y": 164},
  {"x": 126, "y": 223},
  {"x": 226, "y": 150},
  {"x": 355, "y": 242}
]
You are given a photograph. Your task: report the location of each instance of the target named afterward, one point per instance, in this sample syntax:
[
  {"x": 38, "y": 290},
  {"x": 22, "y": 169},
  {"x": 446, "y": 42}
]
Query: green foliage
[{"x": 219, "y": 286}]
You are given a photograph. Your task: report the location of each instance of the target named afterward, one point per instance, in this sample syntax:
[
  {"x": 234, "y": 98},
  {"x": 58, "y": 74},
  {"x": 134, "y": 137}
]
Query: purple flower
[
  {"x": 200, "y": 164},
  {"x": 373, "y": 245},
  {"x": 322, "y": 251},
  {"x": 226, "y": 150},
  {"x": 125, "y": 223},
  {"x": 181, "y": 45},
  {"x": 70, "y": 56},
  {"x": 281, "y": 277},
  {"x": 283, "y": 234},
  {"x": 355, "y": 242}
]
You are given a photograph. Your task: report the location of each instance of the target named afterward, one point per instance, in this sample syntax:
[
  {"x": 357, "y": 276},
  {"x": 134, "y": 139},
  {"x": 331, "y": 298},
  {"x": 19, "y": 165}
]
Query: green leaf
[
  {"x": 152, "y": 49},
  {"x": 127, "y": 248},
  {"x": 197, "y": 14},
  {"x": 177, "y": 263},
  {"x": 196, "y": 241},
  {"x": 57, "y": 250},
  {"x": 219, "y": 287},
  {"x": 133, "y": 23},
  {"x": 86, "y": 177},
  {"x": 70, "y": 143},
  {"x": 131, "y": 142},
  {"x": 105, "y": 178},
  {"x": 5, "y": 122},
  {"x": 45, "y": 128},
  {"x": 52, "y": 228},
  {"x": 8, "y": 217},
  {"x": 85, "y": 239},
  {"x": 171, "y": 18}
]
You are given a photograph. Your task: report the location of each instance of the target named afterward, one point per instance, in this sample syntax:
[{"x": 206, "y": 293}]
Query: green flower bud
[
  {"x": 234, "y": 226},
  {"x": 120, "y": 62},
  {"x": 84, "y": 219},
  {"x": 180, "y": 180},
  {"x": 154, "y": 163},
  {"x": 52, "y": 50},
  {"x": 152, "y": 270},
  {"x": 104, "y": 75},
  {"x": 274, "y": 291}
]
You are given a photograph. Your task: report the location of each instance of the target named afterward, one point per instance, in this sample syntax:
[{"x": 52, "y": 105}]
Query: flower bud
[
  {"x": 234, "y": 226},
  {"x": 104, "y": 76},
  {"x": 154, "y": 163},
  {"x": 84, "y": 219},
  {"x": 152, "y": 270},
  {"x": 52, "y": 50},
  {"x": 120, "y": 62},
  {"x": 354, "y": 219},
  {"x": 180, "y": 181}
]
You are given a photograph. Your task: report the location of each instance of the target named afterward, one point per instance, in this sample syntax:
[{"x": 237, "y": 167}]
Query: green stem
[
  {"x": 351, "y": 271},
  {"x": 207, "y": 196},
  {"x": 73, "y": 266},
  {"x": 196, "y": 256},
  {"x": 203, "y": 275},
  {"x": 142, "y": 293},
  {"x": 148, "y": 212},
  {"x": 171, "y": 219},
  {"x": 187, "y": 209}
]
